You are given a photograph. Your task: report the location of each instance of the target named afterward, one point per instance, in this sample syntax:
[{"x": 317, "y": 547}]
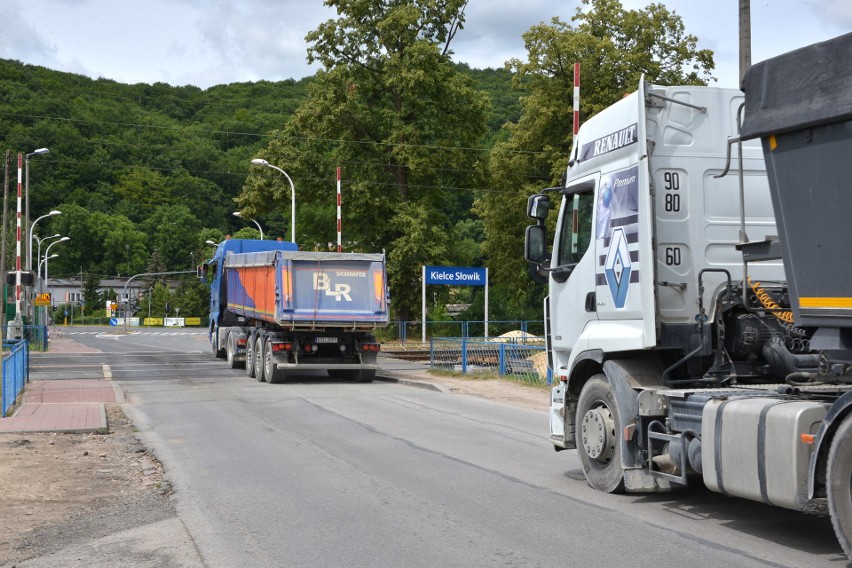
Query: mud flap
[
  {"x": 557, "y": 417},
  {"x": 624, "y": 377}
]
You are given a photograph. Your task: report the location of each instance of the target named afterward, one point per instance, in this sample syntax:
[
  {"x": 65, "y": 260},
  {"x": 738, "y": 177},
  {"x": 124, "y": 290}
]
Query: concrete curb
[
  {"x": 421, "y": 384},
  {"x": 119, "y": 394}
]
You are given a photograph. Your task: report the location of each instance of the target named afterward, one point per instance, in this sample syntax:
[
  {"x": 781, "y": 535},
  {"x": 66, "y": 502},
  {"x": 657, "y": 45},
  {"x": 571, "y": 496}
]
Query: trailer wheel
[
  {"x": 231, "y": 352},
  {"x": 259, "y": 346},
  {"x": 250, "y": 356},
  {"x": 598, "y": 428},
  {"x": 840, "y": 484},
  {"x": 272, "y": 373},
  {"x": 366, "y": 375}
]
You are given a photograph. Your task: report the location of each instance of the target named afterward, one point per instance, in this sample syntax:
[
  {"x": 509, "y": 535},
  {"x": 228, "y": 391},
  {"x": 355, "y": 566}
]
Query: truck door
[
  {"x": 624, "y": 275},
  {"x": 572, "y": 276}
]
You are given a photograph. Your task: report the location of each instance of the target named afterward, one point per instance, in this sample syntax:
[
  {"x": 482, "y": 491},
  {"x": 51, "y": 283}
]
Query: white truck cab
[{"x": 680, "y": 348}]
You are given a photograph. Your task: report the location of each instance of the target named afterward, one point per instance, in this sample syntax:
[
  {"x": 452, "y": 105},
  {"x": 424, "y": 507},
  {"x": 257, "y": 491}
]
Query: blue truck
[{"x": 277, "y": 310}]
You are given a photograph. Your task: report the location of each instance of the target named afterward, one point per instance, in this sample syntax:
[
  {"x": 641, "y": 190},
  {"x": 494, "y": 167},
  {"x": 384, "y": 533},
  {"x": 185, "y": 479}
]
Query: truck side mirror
[
  {"x": 538, "y": 206},
  {"x": 201, "y": 271},
  {"x": 535, "y": 244}
]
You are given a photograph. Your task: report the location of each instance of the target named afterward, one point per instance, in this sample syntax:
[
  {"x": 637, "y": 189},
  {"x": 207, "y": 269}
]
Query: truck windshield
[{"x": 576, "y": 230}]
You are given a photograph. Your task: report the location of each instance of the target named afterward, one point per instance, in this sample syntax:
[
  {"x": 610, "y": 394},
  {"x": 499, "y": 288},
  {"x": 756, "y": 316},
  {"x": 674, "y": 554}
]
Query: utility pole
[{"x": 745, "y": 37}]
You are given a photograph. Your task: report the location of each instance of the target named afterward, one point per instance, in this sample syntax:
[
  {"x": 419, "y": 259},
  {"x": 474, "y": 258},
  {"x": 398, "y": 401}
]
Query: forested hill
[{"x": 144, "y": 174}]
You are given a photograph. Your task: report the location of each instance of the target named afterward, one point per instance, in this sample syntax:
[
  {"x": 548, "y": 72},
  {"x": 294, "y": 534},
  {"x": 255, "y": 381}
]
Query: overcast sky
[{"x": 211, "y": 42}]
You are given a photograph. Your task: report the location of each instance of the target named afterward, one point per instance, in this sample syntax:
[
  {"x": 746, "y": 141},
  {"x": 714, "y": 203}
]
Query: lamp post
[
  {"x": 40, "y": 313},
  {"x": 38, "y": 250},
  {"x": 240, "y": 215},
  {"x": 30, "y": 238},
  {"x": 27, "y": 203},
  {"x": 47, "y": 252},
  {"x": 44, "y": 261},
  {"x": 260, "y": 162}
]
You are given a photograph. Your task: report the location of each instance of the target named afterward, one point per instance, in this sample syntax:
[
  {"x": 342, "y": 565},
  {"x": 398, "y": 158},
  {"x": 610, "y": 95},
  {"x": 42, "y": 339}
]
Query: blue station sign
[{"x": 455, "y": 275}]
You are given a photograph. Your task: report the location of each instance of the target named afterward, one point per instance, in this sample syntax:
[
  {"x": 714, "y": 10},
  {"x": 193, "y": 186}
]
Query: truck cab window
[{"x": 576, "y": 229}]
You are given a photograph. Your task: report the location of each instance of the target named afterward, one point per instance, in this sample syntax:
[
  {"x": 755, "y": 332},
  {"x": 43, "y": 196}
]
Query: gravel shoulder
[{"x": 62, "y": 491}]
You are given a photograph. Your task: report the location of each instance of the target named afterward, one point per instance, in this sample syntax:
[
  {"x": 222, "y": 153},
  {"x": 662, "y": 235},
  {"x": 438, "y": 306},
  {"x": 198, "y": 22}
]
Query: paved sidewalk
[
  {"x": 73, "y": 405},
  {"x": 62, "y": 406},
  {"x": 59, "y": 344}
]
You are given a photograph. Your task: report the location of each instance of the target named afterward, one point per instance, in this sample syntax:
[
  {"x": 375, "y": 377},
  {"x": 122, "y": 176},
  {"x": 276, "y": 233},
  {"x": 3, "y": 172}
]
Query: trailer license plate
[{"x": 326, "y": 340}]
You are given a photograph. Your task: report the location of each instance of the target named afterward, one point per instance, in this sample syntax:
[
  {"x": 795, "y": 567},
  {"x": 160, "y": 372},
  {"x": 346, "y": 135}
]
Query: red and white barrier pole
[
  {"x": 339, "y": 242},
  {"x": 576, "y": 98},
  {"x": 18, "y": 321}
]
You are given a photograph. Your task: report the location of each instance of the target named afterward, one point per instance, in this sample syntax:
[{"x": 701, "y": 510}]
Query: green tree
[
  {"x": 193, "y": 298},
  {"x": 91, "y": 296},
  {"x": 175, "y": 235},
  {"x": 393, "y": 110},
  {"x": 614, "y": 47}
]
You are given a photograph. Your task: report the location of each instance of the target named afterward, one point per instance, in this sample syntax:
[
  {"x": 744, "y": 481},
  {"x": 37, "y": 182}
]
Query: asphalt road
[{"x": 320, "y": 472}]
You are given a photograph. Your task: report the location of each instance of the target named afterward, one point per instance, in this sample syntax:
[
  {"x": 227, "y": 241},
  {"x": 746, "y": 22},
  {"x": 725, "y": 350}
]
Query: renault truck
[{"x": 699, "y": 307}]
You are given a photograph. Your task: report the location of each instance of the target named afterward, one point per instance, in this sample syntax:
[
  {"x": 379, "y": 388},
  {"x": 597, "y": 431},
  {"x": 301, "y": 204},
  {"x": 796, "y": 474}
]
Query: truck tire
[
  {"x": 214, "y": 344},
  {"x": 250, "y": 356},
  {"x": 839, "y": 482},
  {"x": 366, "y": 375},
  {"x": 273, "y": 374},
  {"x": 259, "y": 345},
  {"x": 231, "y": 352},
  {"x": 598, "y": 429}
]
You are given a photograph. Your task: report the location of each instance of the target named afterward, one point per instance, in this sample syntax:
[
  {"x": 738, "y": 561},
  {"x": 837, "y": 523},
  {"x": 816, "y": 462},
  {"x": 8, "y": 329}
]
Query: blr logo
[{"x": 323, "y": 283}]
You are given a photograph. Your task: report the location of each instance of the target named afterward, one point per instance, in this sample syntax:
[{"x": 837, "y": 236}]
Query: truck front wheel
[
  {"x": 840, "y": 484},
  {"x": 598, "y": 427},
  {"x": 218, "y": 353}
]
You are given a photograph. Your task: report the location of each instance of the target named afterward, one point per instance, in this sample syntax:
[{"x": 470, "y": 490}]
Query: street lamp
[
  {"x": 31, "y": 230},
  {"x": 27, "y": 203},
  {"x": 260, "y": 162},
  {"x": 240, "y": 215},
  {"x": 211, "y": 243},
  {"x": 38, "y": 250},
  {"x": 44, "y": 261},
  {"x": 47, "y": 252}
]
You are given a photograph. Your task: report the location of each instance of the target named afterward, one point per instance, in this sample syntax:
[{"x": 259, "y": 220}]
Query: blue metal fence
[
  {"x": 405, "y": 331},
  {"x": 520, "y": 361},
  {"x": 15, "y": 371}
]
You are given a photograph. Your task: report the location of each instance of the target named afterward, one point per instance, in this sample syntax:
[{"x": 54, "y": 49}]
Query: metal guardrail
[
  {"x": 520, "y": 361},
  {"x": 15, "y": 372}
]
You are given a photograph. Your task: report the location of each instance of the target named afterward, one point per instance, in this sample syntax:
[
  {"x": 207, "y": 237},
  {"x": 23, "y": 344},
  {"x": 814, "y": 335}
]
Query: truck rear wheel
[
  {"x": 231, "y": 352},
  {"x": 259, "y": 345},
  {"x": 272, "y": 373},
  {"x": 598, "y": 427},
  {"x": 839, "y": 482},
  {"x": 250, "y": 356}
]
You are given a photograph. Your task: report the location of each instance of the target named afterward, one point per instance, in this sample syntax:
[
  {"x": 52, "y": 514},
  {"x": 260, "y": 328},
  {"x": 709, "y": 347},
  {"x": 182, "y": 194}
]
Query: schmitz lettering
[{"x": 610, "y": 142}]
